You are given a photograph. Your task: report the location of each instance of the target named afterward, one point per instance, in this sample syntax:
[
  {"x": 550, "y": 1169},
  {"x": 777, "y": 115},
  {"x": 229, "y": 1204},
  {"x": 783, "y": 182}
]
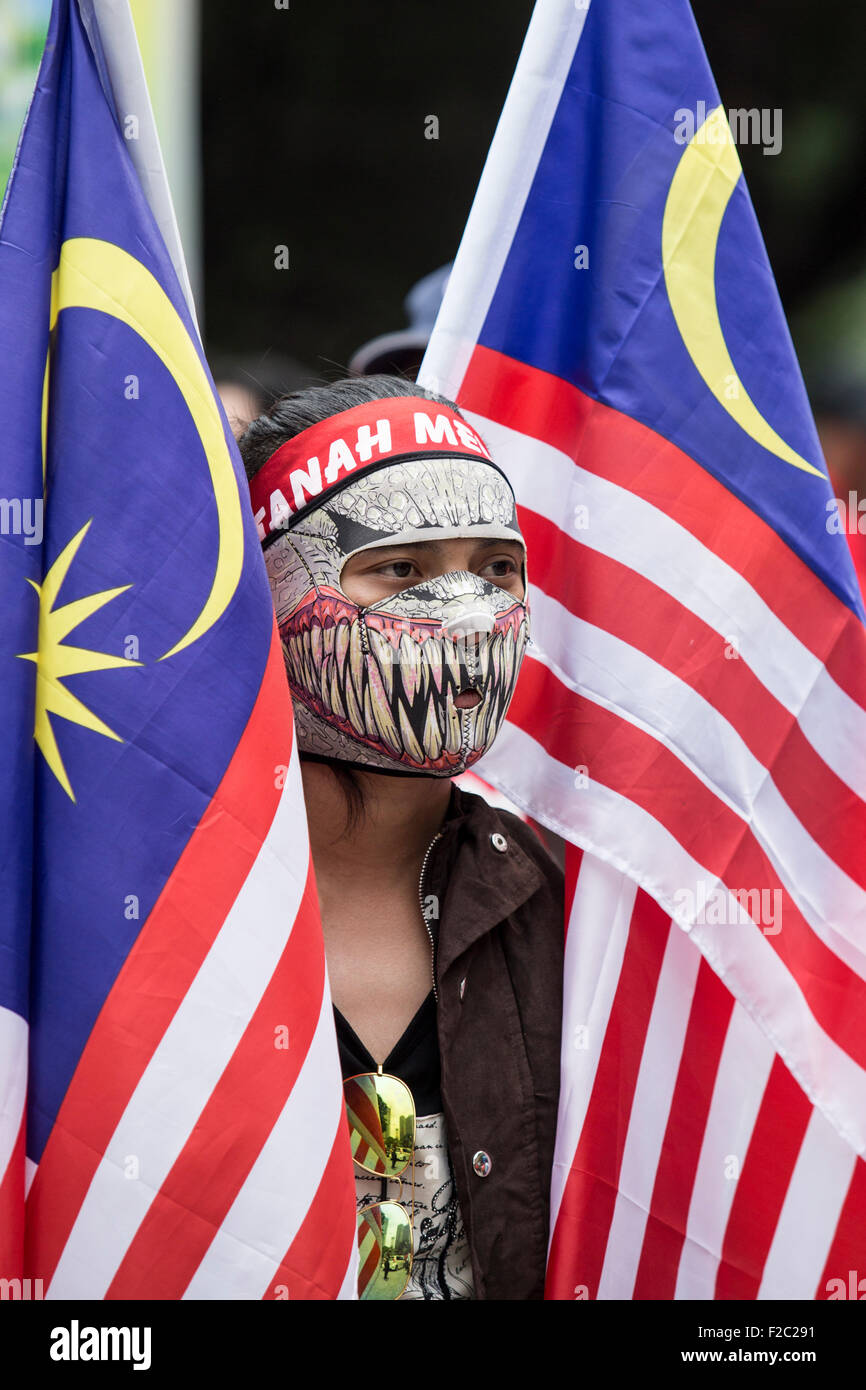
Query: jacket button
[
  {"x": 482, "y": 1163},
  {"x": 499, "y": 842},
  {"x": 462, "y": 989}
]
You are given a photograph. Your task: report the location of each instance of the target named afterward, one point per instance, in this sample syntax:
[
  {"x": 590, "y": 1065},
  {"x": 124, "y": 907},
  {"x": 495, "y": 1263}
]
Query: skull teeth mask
[{"x": 375, "y": 686}]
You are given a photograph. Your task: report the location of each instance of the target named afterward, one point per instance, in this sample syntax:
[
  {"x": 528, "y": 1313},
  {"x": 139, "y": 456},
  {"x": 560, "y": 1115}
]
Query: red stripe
[
  {"x": 825, "y": 806},
  {"x": 613, "y": 446},
  {"x": 621, "y": 756},
  {"x": 847, "y": 1253},
  {"x": 763, "y": 1184},
  {"x": 580, "y": 1236},
  {"x": 315, "y": 1263},
  {"x": 12, "y": 1210},
  {"x": 160, "y": 968},
  {"x": 364, "y": 1109},
  {"x": 573, "y": 862},
  {"x": 709, "y": 1016},
  {"x": 601, "y": 591},
  {"x": 239, "y": 1115}
]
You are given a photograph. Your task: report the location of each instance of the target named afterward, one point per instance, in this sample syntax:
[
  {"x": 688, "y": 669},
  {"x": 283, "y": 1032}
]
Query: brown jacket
[{"x": 499, "y": 981}]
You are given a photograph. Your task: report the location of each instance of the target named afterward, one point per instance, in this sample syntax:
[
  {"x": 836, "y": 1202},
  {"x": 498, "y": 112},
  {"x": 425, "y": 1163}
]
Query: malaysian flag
[
  {"x": 170, "y": 1091},
  {"x": 690, "y": 716}
]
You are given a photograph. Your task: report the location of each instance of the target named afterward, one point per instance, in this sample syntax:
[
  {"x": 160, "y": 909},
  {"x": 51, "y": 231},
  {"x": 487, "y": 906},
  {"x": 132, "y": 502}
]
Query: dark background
[{"x": 313, "y": 137}]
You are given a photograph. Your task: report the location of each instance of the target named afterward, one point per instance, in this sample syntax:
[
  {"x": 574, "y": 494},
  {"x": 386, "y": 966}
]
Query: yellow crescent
[
  {"x": 98, "y": 275},
  {"x": 700, "y": 190}
]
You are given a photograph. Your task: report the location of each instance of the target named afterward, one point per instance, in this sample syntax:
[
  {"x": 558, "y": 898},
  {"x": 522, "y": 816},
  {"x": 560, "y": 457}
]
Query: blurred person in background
[
  {"x": 839, "y": 404},
  {"x": 402, "y": 351},
  {"x": 247, "y": 385}
]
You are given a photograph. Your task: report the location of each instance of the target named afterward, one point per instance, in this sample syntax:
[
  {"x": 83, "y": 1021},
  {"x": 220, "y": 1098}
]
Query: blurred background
[{"x": 355, "y": 143}]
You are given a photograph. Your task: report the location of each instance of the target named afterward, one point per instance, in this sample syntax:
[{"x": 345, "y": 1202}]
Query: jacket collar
[{"x": 477, "y": 885}]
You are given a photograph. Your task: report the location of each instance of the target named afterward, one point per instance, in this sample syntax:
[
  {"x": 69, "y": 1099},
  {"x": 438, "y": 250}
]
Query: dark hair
[
  {"x": 291, "y": 414},
  {"x": 353, "y": 793},
  {"x": 287, "y": 417}
]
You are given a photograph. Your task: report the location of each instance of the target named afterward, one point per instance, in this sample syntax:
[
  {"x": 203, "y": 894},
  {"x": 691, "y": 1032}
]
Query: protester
[
  {"x": 398, "y": 574},
  {"x": 402, "y": 351}
]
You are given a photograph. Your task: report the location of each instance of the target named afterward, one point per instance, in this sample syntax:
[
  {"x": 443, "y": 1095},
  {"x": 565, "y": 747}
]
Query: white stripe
[
  {"x": 810, "y": 1214},
  {"x": 742, "y": 1076},
  {"x": 13, "y": 1081},
  {"x": 270, "y": 1207},
  {"x": 619, "y": 677},
  {"x": 757, "y": 976},
  {"x": 622, "y": 834},
  {"x": 593, "y": 961},
  {"x": 536, "y": 89},
  {"x": 830, "y": 901},
  {"x": 626, "y": 528},
  {"x": 835, "y": 726},
  {"x": 654, "y": 1091},
  {"x": 191, "y": 1056}
]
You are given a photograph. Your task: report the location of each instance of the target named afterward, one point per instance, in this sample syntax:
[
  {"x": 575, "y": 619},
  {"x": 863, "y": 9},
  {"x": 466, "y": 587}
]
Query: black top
[{"x": 414, "y": 1059}]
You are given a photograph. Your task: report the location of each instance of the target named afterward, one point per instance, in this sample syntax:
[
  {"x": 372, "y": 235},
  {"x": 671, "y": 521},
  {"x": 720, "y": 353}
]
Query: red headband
[{"x": 325, "y": 457}]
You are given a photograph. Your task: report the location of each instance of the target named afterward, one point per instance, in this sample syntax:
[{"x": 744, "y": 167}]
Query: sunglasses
[{"x": 381, "y": 1117}]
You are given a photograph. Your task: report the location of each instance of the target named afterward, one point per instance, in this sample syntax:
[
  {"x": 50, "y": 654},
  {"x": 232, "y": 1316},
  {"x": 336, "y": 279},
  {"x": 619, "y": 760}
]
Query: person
[
  {"x": 398, "y": 573},
  {"x": 402, "y": 350},
  {"x": 248, "y": 384}
]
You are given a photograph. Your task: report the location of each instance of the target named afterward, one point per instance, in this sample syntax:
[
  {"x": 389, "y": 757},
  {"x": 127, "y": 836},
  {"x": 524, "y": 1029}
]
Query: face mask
[{"x": 380, "y": 686}]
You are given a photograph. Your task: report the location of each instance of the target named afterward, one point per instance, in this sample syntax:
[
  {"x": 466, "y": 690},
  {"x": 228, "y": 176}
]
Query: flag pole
[{"x": 112, "y": 36}]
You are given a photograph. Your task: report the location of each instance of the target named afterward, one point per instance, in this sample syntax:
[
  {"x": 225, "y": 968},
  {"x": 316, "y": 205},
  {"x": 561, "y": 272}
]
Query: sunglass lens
[
  {"x": 381, "y": 1116},
  {"x": 385, "y": 1251}
]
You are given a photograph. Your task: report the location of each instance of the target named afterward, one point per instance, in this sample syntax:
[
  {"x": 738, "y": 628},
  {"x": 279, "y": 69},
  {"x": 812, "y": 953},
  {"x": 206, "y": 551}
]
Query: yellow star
[{"x": 55, "y": 661}]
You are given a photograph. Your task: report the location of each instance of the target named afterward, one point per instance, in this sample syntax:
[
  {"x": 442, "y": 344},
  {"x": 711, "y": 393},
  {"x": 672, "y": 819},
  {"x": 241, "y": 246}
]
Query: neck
[{"x": 401, "y": 816}]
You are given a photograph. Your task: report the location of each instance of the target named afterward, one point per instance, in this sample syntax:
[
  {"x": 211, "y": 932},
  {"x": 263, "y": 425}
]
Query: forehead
[{"x": 424, "y": 501}]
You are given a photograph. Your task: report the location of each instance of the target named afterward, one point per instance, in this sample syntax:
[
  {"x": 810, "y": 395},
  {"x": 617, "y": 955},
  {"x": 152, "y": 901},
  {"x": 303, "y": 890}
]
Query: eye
[
  {"x": 504, "y": 568},
  {"x": 396, "y": 569}
]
